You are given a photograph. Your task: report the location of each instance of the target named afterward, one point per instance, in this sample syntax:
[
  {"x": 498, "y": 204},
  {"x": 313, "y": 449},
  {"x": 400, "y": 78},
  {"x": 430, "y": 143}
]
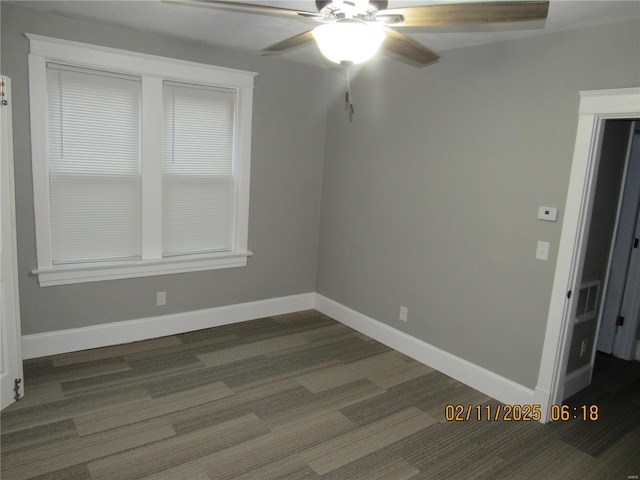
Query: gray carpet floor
[{"x": 297, "y": 396}]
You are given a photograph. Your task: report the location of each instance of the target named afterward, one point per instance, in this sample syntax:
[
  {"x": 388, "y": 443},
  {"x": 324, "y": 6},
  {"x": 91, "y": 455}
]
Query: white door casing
[
  {"x": 595, "y": 108},
  {"x": 10, "y": 338}
]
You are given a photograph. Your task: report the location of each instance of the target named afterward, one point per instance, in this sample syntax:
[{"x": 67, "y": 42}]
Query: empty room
[{"x": 323, "y": 240}]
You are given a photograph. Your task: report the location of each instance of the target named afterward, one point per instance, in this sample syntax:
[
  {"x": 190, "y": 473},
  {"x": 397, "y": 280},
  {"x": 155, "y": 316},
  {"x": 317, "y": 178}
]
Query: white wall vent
[{"x": 587, "y": 301}]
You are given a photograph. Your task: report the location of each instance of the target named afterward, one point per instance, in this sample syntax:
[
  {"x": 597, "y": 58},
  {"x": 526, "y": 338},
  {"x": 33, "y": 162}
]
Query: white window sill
[{"x": 95, "y": 272}]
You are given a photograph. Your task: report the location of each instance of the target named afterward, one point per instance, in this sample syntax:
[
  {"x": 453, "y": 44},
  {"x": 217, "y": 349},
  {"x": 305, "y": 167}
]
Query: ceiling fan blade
[
  {"x": 290, "y": 42},
  {"x": 408, "y": 49},
  {"x": 468, "y": 13},
  {"x": 246, "y": 7}
]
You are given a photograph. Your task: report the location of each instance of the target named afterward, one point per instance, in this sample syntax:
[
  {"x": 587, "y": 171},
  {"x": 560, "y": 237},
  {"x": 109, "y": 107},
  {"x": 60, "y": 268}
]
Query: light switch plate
[
  {"x": 542, "y": 250},
  {"x": 548, "y": 214}
]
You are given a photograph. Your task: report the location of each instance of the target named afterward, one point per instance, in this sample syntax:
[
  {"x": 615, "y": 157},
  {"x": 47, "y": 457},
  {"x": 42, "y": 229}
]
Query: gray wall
[
  {"x": 286, "y": 176},
  {"x": 615, "y": 144},
  {"x": 430, "y": 197}
]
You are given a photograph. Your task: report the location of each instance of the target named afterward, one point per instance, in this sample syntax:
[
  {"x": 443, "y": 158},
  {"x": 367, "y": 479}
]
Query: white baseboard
[
  {"x": 576, "y": 381},
  {"x": 63, "y": 341},
  {"x": 481, "y": 379}
]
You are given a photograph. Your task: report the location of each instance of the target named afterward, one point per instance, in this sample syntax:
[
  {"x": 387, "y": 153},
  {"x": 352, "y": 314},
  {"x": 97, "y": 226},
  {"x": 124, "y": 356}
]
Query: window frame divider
[{"x": 151, "y": 179}]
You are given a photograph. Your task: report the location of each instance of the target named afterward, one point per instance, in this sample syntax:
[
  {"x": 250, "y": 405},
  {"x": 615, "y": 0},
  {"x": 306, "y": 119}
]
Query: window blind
[
  {"x": 198, "y": 186},
  {"x": 94, "y": 164}
]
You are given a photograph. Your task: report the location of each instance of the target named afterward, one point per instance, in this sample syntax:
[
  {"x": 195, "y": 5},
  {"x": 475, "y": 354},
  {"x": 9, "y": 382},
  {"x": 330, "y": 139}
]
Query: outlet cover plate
[{"x": 161, "y": 298}]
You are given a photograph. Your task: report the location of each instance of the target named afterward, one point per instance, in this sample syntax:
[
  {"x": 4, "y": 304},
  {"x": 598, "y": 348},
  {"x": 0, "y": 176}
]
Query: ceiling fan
[{"x": 351, "y": 31}]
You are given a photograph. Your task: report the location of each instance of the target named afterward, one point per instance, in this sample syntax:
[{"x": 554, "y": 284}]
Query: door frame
[
  {"x": 596, "y": 106},
  {"x": 11, "y": 361}
]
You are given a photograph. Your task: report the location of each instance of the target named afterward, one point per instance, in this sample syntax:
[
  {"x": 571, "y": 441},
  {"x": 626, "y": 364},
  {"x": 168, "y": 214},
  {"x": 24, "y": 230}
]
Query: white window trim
[{"x": 153, "y": 70}]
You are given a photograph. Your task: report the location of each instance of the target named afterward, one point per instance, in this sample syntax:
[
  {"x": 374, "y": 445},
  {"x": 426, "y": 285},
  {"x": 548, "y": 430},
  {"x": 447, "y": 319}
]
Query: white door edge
[{"x": 11, "y": 343}]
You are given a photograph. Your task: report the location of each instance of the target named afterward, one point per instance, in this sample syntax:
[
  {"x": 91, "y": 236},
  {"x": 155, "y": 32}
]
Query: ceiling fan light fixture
[{"x": 348, "y": 41}]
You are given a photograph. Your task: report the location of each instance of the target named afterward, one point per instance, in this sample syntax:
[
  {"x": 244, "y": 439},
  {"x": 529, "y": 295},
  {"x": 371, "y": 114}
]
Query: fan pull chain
[{"x": 348, "y": 98}]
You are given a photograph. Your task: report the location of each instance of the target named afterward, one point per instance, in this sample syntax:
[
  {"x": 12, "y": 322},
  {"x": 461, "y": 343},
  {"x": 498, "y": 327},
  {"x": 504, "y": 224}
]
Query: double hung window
[{"x": 136, "y": 171}]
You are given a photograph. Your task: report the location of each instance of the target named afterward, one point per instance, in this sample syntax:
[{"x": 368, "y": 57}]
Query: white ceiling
[{"x": 254, "y": 32}]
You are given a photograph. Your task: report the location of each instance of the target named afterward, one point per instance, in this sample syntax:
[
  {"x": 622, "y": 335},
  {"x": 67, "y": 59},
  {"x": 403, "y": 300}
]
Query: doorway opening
[
  {"x": 618, "y": 332},
  {"x": 596, "y": 107},
  {"x": 610, "y": 282}
]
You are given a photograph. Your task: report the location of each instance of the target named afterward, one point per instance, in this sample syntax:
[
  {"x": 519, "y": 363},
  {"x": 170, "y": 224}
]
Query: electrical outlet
[
  {"x": 403, "y": 314},
  {"x": 161, "y": 298}
]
